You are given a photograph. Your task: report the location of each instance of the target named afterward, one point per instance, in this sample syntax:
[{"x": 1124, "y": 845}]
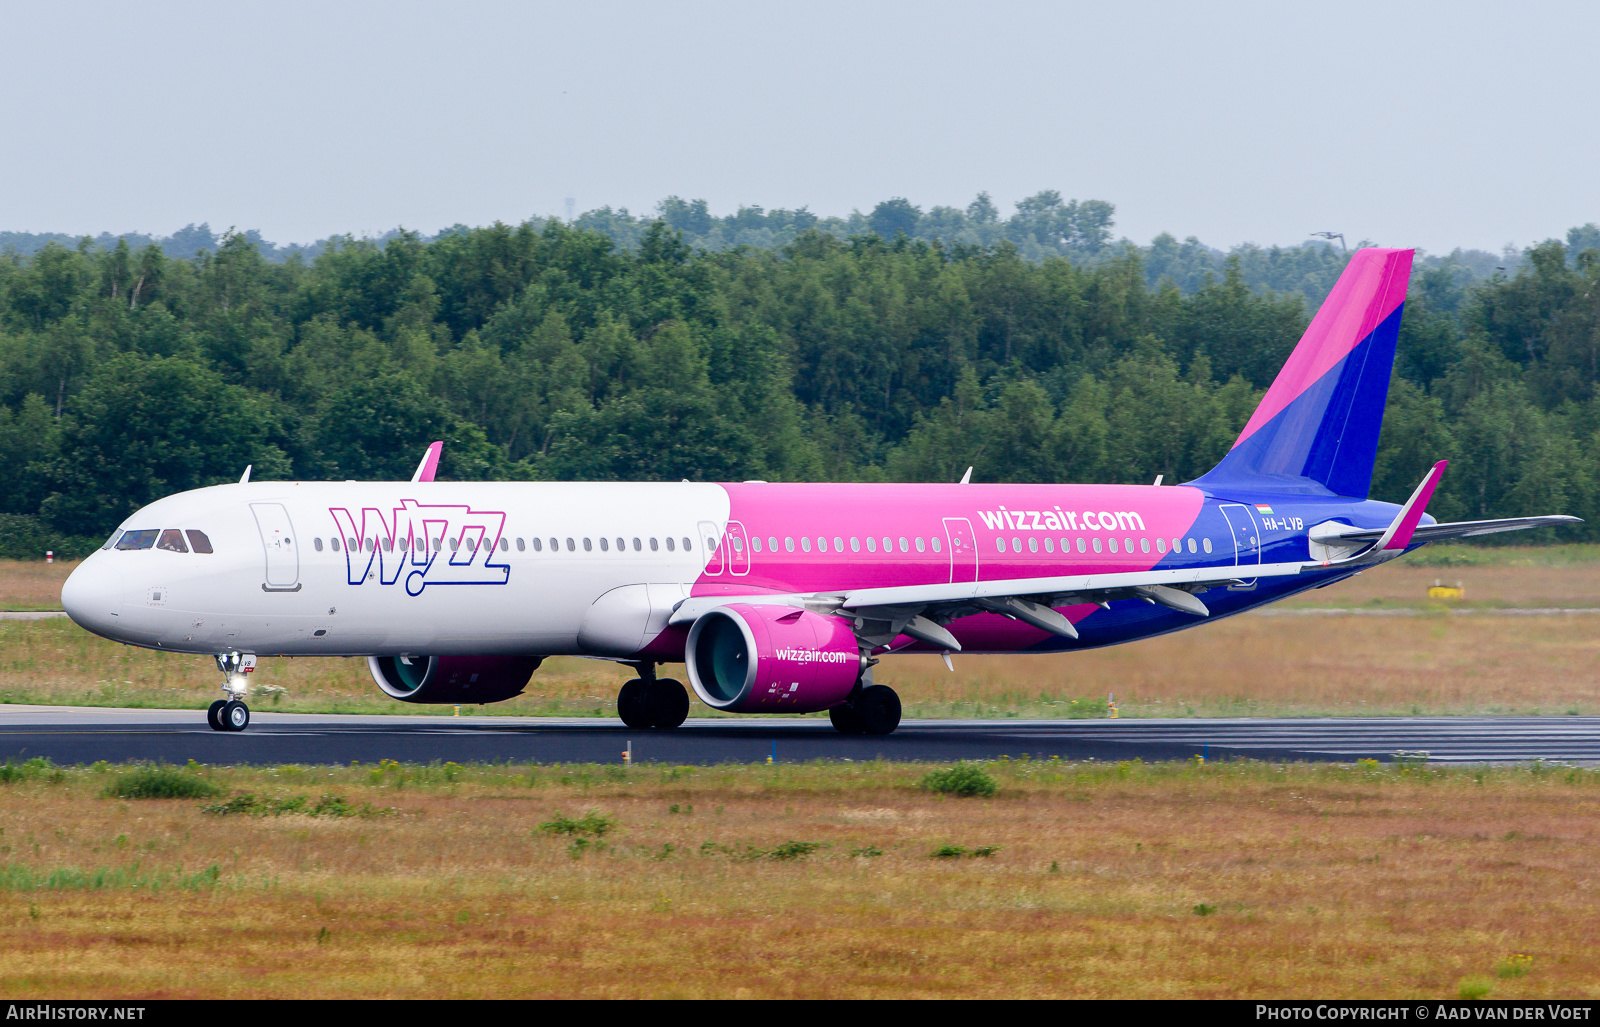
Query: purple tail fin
[{"x": 1316, "y": 430}]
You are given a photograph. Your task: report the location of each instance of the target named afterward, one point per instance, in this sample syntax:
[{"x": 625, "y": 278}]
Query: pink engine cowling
[
  {"x": 771, "y": 659},
  {"x": 452, "y": 679}
]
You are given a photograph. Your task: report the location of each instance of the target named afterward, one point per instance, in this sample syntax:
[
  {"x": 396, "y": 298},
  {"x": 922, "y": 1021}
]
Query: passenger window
[
  {"x": 622, "y": 545},
  {"x": 588, "y": 547},
  {"x": 505, "y": 545},
  {"x": 1127, "y": 545},
  {"x": 822, "y": 545},
  {"x": 198, "y": 541},
  {"x": 1080, "y": 544},
  {"x": 555, "y": 545},
  {"x": 1191, "y": 545},
  {"x": 604, "y": 545},
  {"x": 1207, "y": 544},
  {"x": 805, "y": 543},
  {"x": 838, "y": 545},
  {"x": 522, "y": 548},
  {"x": 921, "y": 546},
  {"x": 538, "y": 545},
  {"x": 638, "y": 547},
  {"x": 904, "y": 548},
  {"x": 1144, "y": 545},
  {"x": 351, "y": 544},
  {"x": 1033, "y": 544},
  {"x": 936, "y": 545},
  {"x": 688, "y": 546},
  {"x": 1097, "y": 545},
  {"x": 388, "y": 545},
  {"x": 670, "y": 544},
  {"x": 1112, "y": 543},
  {"x": 888, "y": 544},
  {"x": 172, "y": 541},
  {"x": 316, "y": 544},
  {"x": 572, "y": 547},
  {"x": 772, "y": 543},
  {"x": 1177, "y": 545},
  {"x": 653, "y": 547},
  {"x": 1049, "y": 545},
  {"x": 738, "y": 544},
  {"x": 788, "y": 544},
  {"x": 1016, "y": 544},
  {"x": 755, "y": 543},
  {"x": 1161, "y": 545},
  {"x": 872, "y": 544},
  {"x": 1000, "y": 545},
  {"x": 855, "y": 544},
  {"x": 334, "y": 542}
]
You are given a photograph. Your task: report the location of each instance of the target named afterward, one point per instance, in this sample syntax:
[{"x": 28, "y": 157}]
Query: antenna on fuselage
[
  {"x": 1159, "y": 477},
  {"x": 430, "y": 463},
  {"x": 966, "y": 479},
  {"x": 245, "y": 477}
]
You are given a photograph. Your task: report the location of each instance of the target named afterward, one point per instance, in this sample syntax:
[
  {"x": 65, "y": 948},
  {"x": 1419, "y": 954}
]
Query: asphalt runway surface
[{"x": 79, "y": 735}]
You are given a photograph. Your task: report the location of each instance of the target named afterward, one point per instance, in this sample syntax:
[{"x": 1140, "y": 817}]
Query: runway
[{"x": 80, "y": 735}]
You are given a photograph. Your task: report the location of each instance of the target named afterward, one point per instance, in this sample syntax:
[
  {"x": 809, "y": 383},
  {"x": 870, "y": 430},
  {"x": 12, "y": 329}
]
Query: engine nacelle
[
  {"x": 452, "y": 679},
  {"x": 747, "y": 658}
]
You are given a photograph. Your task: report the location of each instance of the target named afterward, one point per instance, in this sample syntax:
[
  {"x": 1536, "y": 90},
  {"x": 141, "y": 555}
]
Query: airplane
[{"x": 777, "y": 597}]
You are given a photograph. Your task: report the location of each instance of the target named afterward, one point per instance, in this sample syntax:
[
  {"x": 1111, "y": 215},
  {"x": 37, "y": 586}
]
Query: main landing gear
[
  {"x": 231, "y": 714},
  {"x": 648, "y": 701},
  {"x": 875, "y": 710}
]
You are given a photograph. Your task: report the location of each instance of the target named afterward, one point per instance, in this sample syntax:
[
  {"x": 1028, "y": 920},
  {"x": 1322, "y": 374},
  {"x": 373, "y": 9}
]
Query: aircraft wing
[{"x": 920, "y": 611}]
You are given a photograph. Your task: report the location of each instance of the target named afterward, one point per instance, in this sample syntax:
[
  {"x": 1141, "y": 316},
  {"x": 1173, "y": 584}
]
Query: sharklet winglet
[
  {"x": 430, "y": 463},
  {"x": 1399, "y": 534}
]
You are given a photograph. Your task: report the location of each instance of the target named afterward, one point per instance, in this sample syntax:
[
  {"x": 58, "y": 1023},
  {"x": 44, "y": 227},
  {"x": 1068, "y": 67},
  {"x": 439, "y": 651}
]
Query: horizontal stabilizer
[{"x": 1354, "y": 537}]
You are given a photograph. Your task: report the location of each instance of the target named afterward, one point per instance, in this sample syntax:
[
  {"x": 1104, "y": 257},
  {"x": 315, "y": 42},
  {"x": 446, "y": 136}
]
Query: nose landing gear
[{"x": 231, "y": 714}]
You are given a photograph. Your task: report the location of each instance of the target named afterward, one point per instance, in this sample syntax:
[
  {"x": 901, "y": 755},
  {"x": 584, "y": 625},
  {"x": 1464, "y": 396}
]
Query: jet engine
[
  {"x": 452, "y": 679},
  {"x": 771, "y": 659}
]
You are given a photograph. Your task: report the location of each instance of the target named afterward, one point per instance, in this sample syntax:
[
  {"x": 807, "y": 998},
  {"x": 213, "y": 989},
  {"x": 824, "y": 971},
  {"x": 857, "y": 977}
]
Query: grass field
[
  {"x": 1431, "y": 663},
  {"x": 1092, "y": 880}
]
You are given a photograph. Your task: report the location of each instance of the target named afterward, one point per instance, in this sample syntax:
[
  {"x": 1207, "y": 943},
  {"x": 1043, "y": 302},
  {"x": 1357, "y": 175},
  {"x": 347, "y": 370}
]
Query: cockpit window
[
  {"x": 172, "y": 541},
  {"x": 113, "y": 539},
  {"x": 198, "y": 540},
  {"x": 138, "y": 539}
]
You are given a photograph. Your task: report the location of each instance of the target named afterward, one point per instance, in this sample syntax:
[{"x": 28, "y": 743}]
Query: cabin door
[
  {"x": 277, "y": 537},
  {"x": 1246, "y": 541}
]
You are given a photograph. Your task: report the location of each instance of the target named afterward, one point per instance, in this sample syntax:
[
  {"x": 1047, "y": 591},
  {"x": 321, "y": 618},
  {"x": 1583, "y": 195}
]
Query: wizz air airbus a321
[{"x": 779, "y": 598}]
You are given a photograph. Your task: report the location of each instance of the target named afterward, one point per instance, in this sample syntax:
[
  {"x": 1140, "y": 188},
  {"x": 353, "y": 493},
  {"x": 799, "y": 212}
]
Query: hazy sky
[{"x": 1428, "y": 124}]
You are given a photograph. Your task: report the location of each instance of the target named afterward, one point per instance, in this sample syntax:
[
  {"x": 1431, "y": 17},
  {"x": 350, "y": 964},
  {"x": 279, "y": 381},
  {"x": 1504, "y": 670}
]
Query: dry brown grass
[
  {"x": 33, "y": 584},
  {"x": 1109, "y": 881},
  {"x": 1250, "y": 665}
]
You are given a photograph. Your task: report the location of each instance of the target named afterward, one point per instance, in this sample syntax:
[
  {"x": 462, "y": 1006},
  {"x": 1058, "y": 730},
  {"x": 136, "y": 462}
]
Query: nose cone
[{"x": 91, "y": 597}]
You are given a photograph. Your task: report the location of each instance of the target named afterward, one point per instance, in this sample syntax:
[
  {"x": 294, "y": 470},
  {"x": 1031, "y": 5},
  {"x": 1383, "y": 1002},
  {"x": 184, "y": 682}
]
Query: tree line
[{"x": 548, "y": 351}]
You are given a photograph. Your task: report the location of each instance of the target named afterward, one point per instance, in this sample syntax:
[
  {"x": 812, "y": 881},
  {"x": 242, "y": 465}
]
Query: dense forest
[{"x": 551, "y": 350}]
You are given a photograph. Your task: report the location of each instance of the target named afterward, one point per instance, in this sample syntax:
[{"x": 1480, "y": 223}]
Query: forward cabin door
[
  {"x": 277, "y": 537},
  {"x": 1246, "y": 541},
  {"x": 963, "y": 549}
]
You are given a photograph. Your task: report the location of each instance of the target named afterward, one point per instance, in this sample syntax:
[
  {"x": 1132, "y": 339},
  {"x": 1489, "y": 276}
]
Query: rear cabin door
[
  {"x": 1246, "y": 541},
  {"x": 277, "y": 537}
]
